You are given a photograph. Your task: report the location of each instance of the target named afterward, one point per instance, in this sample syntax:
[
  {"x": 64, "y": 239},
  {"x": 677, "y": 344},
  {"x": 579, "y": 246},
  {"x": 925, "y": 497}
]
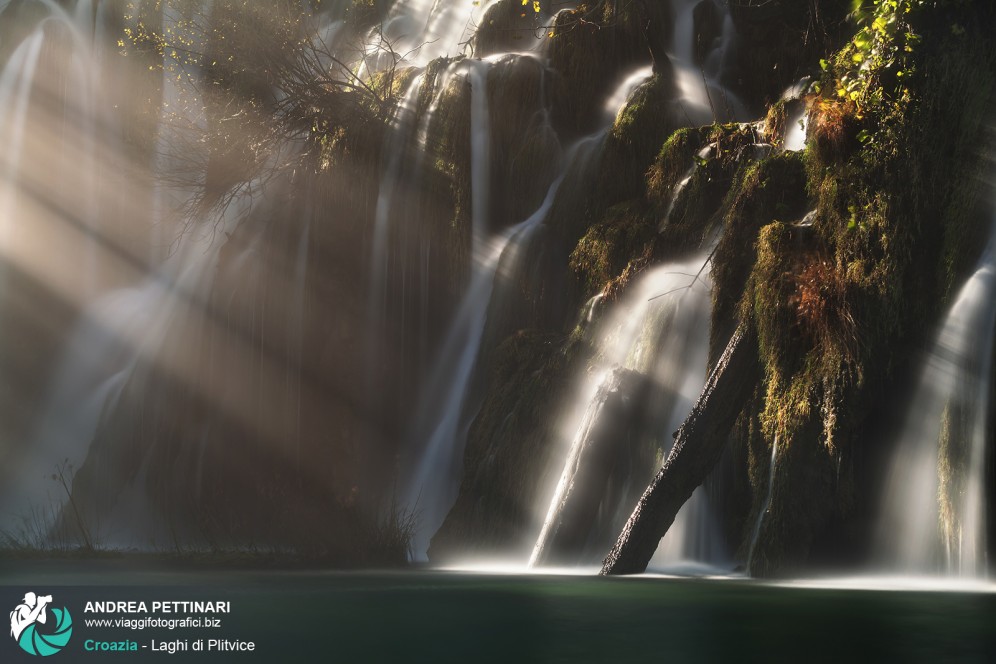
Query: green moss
[
  {"x": 765, "y": 191},
  {"x": 776, "y": 122},
  {"x": 392, "y": 83},
  {"x": 672, "y": 162},
  {"x": 589, "y": 49},
  {"x": 636, "y": 137},
  {"x": 608, "y": 247},
  {"x": 837, "y": 306},
  {"x": 692, "y": 215}
]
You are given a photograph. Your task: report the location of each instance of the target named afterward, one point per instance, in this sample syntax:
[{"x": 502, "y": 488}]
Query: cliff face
[{"x": 841, "y": 257}]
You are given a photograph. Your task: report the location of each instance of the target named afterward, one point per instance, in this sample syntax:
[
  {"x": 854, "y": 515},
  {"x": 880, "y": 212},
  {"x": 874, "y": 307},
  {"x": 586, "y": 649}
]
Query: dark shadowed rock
[
  {"x": 708, "y": 28},
  {"x": 601, "y": 445}
]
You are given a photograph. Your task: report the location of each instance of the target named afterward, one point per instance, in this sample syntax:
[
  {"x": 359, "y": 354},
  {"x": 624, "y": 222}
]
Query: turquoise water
[{"x": 432, "y": 616}]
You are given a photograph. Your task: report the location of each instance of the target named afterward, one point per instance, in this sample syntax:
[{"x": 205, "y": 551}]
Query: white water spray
[{"x": 933, "y": 515}]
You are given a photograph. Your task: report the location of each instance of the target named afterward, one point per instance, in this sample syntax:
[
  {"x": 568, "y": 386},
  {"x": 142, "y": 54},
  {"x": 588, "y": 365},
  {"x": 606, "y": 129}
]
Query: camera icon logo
[{"x": 30, "y": 626}]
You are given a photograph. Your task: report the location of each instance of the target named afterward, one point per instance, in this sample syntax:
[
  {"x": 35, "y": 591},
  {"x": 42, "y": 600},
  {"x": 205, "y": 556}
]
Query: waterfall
[
  {"x": 933, "y": 516},
  {"x": 797, "y": 115},
  {"x": 78, "y": 206},
  {"x": 436, "y": 475},
  {"x": 419, "y": 31},
  {"x": 57, "y": 141},
  {"x": 439, "y": 425},
  {"x": 66, "y": 184},
  {"x": 659, "y": 331},
  {"x": 756, "y": 533},
  {"x": 397, "y": 141},
  {"x": 795, "y": 131},
  {"x": 434, "y": 483},
  {"x": 92, "y": 373},
  {"x": 702, "y": 95}
]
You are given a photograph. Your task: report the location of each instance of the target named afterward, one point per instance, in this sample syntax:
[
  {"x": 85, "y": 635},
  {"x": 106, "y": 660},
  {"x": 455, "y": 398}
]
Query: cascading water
[
  {"x": 420, "y": 31},
  {"x": 436, "y": 475},
  {"x": 212, "y": 356},
  {"x": 933, "y": 516},
  {"x": 397, "y": 143},
  {"x": 139, "y": 337},
  {"x": 704, "y": 99},
  {"x": 61, "y": 151},
  {"x": 660, "y": 332},
  {"x": 681, "y": 347},
  {"x": 434, "y": 484},
  {"x": 756, "y": 532},
  {"x": 66, "y": 184}
]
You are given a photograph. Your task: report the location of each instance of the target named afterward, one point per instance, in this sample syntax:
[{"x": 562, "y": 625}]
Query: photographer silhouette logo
[{"x": 30, "y": 627}]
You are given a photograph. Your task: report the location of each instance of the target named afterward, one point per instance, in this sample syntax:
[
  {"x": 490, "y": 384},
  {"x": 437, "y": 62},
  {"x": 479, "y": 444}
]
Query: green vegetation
[
  {"x": 624, "y": 234},
  {"x": 893, "y": 168}
]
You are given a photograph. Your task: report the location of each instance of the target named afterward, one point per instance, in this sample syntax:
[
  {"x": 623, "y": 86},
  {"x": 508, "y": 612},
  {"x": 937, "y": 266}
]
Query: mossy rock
[
  {"x": 804, "y": 495},
  {"x": 690, "y": 213},
  {"x": 623, "y": 234},
  {"x": 772, "y": 189},
  {"x": 391, "y": 84},
  {"x": 672, "y": 162},
  {"x": 590, "y": 54},
  {"x": 839, "y": 307},
  {"x": 508, "y": 26},
  {"x": 639, "y": 131}
]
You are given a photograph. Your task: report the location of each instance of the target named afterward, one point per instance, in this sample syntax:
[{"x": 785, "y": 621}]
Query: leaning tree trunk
[{"x": 697, "y": 448}]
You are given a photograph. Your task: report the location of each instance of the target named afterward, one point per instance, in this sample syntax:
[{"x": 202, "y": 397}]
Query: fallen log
[{"x": 697, "y": 449}]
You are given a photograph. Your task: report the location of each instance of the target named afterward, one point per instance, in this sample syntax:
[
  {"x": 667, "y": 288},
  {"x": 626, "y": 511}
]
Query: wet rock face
[
  {"x": 589, "y": 56},
  {"x": 779, "y": 41},
  {"x": 601, "y": 461},
  {"x": 509, "y": 447},
  {"x": 708, "y": 28},
  {"x": 507, "y": 26},
  {"x": 525, "y": 148}
]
